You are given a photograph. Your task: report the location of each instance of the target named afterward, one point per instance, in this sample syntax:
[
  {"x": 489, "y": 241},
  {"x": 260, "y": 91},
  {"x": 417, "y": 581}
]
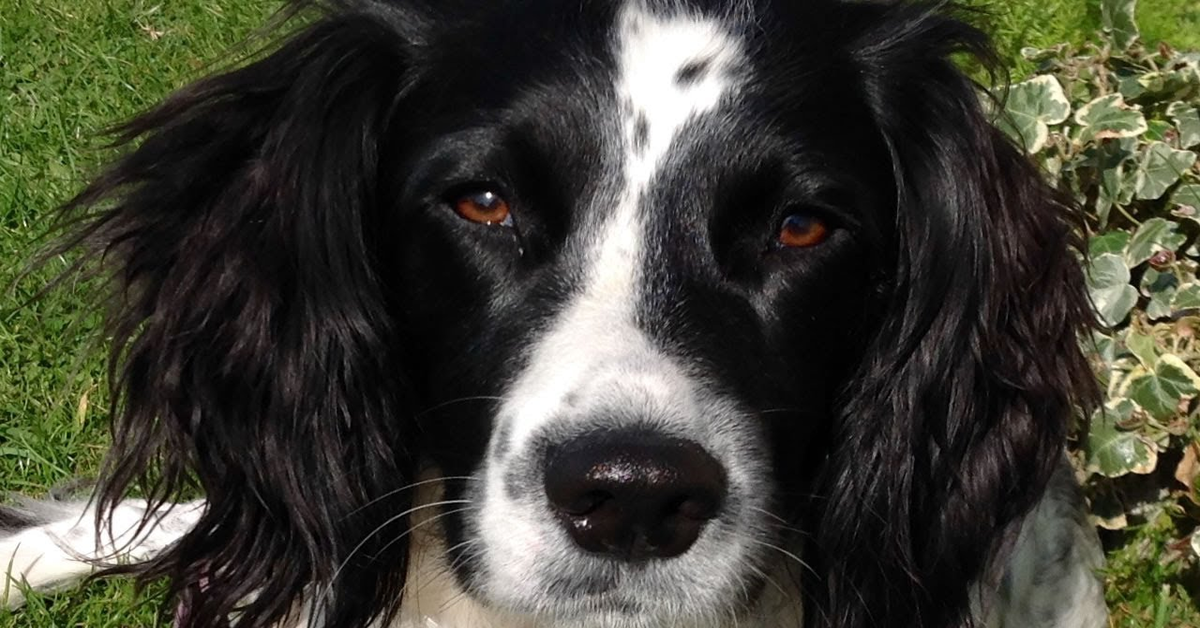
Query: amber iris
[
  {"x": 802, "y": 230},
  {"x": 484, "y": 207}
]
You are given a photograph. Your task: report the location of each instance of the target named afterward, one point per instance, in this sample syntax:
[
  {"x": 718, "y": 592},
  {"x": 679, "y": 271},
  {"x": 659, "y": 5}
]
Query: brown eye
[
  {"x": 485, "y": 207},
  {"x": 802, "y": 230}
]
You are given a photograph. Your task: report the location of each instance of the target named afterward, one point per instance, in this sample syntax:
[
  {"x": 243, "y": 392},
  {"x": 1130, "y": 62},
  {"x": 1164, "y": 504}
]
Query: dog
[{"x": 596, "y": 313}]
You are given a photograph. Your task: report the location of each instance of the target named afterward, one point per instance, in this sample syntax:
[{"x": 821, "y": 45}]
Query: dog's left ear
[{"x": 958, "y": 417}]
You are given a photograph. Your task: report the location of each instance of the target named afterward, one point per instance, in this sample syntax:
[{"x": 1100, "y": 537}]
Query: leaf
[
  {"x": 1114, "y": 452},
  {"x": 1170, "y": 83},
  {"x": 1188, "y": 468},
  {"x": 1196, "y": 541},
  {"x": 1187, "y": 120},
  {"x": 1158, "y": 130},
  {"x": 1142, "y": 347},
  {"x": 1116, "y": 183},
  {"x": 1160, "y": 287},
  {"x": 1108, "y": 117},
  {"x": 1108, "y": 285},
  {"x": 1156, "y": 234},
  {"x": 1186, "y": 297},
  {"x": 1111, "y": 242},
  {"x": 1188, "y": 195},
  {"x": 1117, "y": 17},
  {"x": 1161, "y": 392},
  {"x": 1031, "y": 106},
  {"x": 1160, "y": 167}
]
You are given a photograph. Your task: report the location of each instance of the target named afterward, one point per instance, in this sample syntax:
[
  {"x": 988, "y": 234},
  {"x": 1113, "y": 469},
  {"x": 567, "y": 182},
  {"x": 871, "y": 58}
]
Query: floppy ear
[
  {"x": 251, "y": 341},
  {"x": 959, "y": 414}
]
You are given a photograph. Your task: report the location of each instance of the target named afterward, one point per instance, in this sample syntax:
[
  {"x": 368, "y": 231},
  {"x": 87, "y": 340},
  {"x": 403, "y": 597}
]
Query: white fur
[
  {"x": 594, "y": 360},
  {"x": 56, "y": 555}
]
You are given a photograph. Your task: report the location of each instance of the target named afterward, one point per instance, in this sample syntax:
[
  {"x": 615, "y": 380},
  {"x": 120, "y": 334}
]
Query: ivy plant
[{"x": 1116, "y": 125}]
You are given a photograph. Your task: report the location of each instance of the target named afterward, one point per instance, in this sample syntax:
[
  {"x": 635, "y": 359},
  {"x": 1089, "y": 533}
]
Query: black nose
[{"x": 633, "y": 495}]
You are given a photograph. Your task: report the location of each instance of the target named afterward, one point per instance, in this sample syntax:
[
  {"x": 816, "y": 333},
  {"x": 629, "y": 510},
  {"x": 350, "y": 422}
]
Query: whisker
[
  {"x": 336, "y": 572},
  {"x": 445, "y": 404},
  {"x": 411, "y": 529},
  {"x": 788, "y": 554},
  {"x": 408, "y": 487}
]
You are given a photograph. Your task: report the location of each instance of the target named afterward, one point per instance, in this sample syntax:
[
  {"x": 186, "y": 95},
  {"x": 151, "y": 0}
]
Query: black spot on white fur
[{"x": 692, "y": 72}]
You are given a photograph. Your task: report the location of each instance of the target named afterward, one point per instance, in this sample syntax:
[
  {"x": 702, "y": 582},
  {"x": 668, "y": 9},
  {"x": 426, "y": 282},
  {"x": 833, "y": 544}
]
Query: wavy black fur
[
  {"x": 254, "y": 348},
  {"x": 953, "y": 426},
  {"x": 251, "y": 344}
]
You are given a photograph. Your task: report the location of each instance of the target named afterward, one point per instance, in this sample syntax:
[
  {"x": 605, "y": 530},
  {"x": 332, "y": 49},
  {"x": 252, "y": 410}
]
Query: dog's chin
[{"x": 616, "y": 595}]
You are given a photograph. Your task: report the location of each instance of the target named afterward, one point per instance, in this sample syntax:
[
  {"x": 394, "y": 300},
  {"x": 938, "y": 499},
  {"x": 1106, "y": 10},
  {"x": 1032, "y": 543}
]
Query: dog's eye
[
  {"x": 482, "y": 206},
  {"x": 802, "y": 230}
]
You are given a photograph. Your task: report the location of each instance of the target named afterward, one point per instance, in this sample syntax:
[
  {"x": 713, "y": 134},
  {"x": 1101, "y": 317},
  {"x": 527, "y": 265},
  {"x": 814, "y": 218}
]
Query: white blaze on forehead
[{"x": 671, "y": 69}]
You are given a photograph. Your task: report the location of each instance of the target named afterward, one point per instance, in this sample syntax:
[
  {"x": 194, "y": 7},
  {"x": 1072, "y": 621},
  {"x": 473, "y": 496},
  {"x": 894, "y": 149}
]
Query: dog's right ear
[{"x": 252, "y": 350}]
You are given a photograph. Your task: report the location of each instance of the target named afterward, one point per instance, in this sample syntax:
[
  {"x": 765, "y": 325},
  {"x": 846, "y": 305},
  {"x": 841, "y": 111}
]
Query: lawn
[{"x": 69, "y": 68}]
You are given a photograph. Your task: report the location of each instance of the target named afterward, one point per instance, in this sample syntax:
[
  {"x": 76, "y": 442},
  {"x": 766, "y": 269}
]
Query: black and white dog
[{"x": 603, "y": 313}]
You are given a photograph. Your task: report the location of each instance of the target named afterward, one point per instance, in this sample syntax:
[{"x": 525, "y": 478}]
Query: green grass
[
  {"x": 1015, "y": 24},
  {"x": 69, "y": 68}
]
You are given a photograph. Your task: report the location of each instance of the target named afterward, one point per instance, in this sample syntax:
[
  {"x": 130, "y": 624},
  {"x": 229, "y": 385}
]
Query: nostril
[
  {"x": 633, "y": 495},
  {"x": 584, "y": 504},
  {"x": 697, "y": 508}
]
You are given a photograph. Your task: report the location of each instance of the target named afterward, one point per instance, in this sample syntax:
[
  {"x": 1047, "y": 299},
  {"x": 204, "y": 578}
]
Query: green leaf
[
  {"x": 1160, "y": 167},
  {"x": 1170, "y": 83},
  {"x": 1186, "y": 297},
  {"x": 1111, "y": 159},
  {"x": 1031, "y": 106},
  {"x": 1117, "y": 17},
  {"x": 1161, "y": 392},
  {"x": 1160, "y": 287},
  {"x": 1108, "y": 285},
  {"x": 1156, "y": 234},
  {"x": 1188, "y": 195},
  {"x": 1158, "y": 130},
  {"x": 1129, "y": 87},
  {"x": 1187, "y": 121},
  {"x": 1114, "y": 452},
  {"x": 1143, "y": 348},
  {"x": 1108, "y": 117},
  {"x": 1111, "y": 242}
]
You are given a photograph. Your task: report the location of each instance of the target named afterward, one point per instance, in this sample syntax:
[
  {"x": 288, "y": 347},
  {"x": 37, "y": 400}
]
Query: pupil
[
  {"x": 796, "y": 223},
  {"x": 486, "y": 200}
]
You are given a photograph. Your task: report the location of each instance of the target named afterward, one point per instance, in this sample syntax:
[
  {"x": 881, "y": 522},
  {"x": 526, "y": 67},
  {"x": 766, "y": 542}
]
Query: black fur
[{"x": 261, "y": 347}]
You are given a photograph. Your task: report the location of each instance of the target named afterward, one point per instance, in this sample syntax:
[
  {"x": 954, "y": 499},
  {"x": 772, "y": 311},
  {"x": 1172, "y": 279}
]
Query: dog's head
[{"x": 660, "y": 289}]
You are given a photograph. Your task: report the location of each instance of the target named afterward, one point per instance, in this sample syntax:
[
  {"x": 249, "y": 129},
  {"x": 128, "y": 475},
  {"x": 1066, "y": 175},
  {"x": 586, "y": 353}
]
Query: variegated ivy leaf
[
  {"x": 1160, "y": 287},
  {"x": 1031, "y": 106},
  {"x": 1186, "y": 296},
  {"x": 1116, "y": 180},
  {"x": 1108, "y": 117},
  {"x": 1187, "y": 121},
  {"x": 1156, "y": 234},
  {"x": 1170, "y": 83},
  {"x": 1160, "y": 167},
  {"x": 1188, "y": 195},
  {"x": 1103, "y": 346},
  {"x": 1119, "y": 22},
  {"x": 1111, "y": 242},
  {"x": 1158, "y": 130},
  {"x": 1108, "y": 284},
  {"x": 1143, "y": 348},
  {"x": 1161, "y": 392},
  {"x": 1114, "y": 452}
]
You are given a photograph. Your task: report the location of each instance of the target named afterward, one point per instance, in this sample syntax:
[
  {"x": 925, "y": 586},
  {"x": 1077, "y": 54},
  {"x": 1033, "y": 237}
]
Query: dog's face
[
  {"x": 664, "y": 291},
  {"x": 637, "y": 257}
]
